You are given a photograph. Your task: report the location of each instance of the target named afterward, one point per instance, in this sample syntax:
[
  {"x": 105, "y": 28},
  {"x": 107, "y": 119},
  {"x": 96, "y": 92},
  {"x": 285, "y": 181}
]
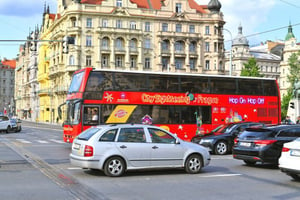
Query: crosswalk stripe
[
  {"x": 57, "y": 141},
  {"x": 24, "y": 141},
  {"x": 42, "y": 141}
]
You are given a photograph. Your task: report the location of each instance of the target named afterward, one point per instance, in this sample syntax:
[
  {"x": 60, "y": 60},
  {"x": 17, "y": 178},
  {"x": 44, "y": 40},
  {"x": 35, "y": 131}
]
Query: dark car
[
  {"x": 264, "y": 144},
  {"x": 221, "y": 140}
]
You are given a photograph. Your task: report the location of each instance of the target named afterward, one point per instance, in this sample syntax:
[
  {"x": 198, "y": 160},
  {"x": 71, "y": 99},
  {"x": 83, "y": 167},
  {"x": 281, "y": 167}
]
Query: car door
[
  {"x": 132, "y": 144},
  {"x": 2, "y": 127},
  {"x": 164, "y": 151},
  {"x": 286, "y": 135}
]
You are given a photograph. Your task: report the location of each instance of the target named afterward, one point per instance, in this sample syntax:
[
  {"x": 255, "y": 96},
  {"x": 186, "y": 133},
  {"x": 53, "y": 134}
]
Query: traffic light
[
  {"x": 65, "y": 45},
  {"x": 32, "y": 42},
  {"x": 292, "y": 105}
]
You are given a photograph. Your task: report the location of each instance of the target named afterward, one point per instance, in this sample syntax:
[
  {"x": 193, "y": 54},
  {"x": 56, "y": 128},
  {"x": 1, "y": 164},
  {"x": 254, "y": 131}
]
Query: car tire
[
  {"x": 19, "y": 130},
  {"x": 249, "y": 162},
  {"x": 114, "y": 166},
  {"x": 296, "y": 177},
  {"x": 193, "y": 164},
  {"x": 9, "y": 129},
  {"x": 221, "y": 148}
]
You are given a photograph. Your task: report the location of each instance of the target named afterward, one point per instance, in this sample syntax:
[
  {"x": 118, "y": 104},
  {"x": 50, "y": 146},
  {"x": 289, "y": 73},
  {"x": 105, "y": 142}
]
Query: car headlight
[{"x": 206, "y": 141}]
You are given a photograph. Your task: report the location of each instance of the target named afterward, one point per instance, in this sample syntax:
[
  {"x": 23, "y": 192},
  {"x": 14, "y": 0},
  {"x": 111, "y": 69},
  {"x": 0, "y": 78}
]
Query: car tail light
[
  {"x": 88, "y": 151},
  {"x": 285, "y": 149},
  {"x": 262, "y": 143},
  {"x": 236, "y": 141}
]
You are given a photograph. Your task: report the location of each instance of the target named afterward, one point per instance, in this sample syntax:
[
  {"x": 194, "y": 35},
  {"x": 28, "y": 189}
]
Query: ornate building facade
[{"x": 159, "y": 35}]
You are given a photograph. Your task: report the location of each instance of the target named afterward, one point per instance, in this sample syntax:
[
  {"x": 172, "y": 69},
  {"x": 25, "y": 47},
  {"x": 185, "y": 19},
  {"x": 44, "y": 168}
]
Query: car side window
[
  {"x": 132, "y": 135},
  {"x": 159, "y": 136},
  {"x": 287, "y": 133},
  {"x": 109, "y": 136}
]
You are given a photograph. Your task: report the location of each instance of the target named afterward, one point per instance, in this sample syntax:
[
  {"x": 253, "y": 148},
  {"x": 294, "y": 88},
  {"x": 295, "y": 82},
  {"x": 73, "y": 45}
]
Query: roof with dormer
[
  {"x": 9, "y": 63},
  {"x": 151, "y": 4}
]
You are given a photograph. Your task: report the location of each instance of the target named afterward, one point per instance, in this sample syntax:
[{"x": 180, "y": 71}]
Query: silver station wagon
[{"x": 117, "y": 148}]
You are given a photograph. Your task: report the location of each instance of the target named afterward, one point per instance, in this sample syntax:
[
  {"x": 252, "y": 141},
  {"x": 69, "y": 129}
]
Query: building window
[
  {"x": 178, "y": 28},
  {"x": 147, "y": 63},
  {"x": 133, "y": 45},
  {"x": 179, "y": 46},
  {"x": 104, "y": 23},
  {"x": 88, "y": 61},
  {"x": 178, "y": 8},
  {"x": 119, "y": 23},
  {"x": 88, "y": 42},
  {"x": 89, "y": 23},
  {"x": 104, "y": 61},
  {"x": 147, "y": 26},
  {"x": 192, "y": 47},
  {"x": 207, "y": 65},
  {"x": 147, "y": 43},
  {"x": 165, "y": 63},
  {"x": 119, "y": 3},
  {"x": 73, "y": 21},
  {"x": 118, "y": 61},
  {"x": 192, "y": 29},
  {"x": 119, "y": 44},
  {"x": 132, "y": 25},
  {"x": 215, "y": 47},
  {"x": 71, "y": 60},
  {"x": 133, "y": 62},
  {"x": 165, "y": 45},
  {"x": 206, "y": 30},
  {"x": 105, "y": 44},
  {"x": 207, "y": 46},
  {"x": 164, "y": 27},
  {"x": 178, "y": 63},
  {"x": 192, "y": 63}
]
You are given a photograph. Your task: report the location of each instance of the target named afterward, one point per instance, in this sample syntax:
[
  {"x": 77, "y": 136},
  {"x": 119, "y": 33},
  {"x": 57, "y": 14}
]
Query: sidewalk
[{"x": 41, "y": 124}]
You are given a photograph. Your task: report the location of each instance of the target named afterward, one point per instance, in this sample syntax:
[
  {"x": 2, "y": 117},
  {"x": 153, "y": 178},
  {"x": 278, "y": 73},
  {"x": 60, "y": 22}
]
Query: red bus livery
[{"x": 184, "y": 104}]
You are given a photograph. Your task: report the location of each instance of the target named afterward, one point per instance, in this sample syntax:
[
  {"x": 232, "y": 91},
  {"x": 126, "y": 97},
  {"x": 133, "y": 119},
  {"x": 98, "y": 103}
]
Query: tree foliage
[
  {"x": 251, "y": 68},
  {"x": 292, "y": 78}
]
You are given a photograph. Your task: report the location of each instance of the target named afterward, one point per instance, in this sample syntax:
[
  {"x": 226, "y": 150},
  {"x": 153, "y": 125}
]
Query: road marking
[
  {"x": 57, "y": 141},
  {"x": 221, "y": 175},
  {"x": 74, "y": 168},
  {"x": 23, "y": 141},
  {"x": 42, "y": 141}
]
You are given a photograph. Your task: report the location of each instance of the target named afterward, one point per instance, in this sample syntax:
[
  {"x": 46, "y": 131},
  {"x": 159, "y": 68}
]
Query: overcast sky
[{"x": 19, "y": 17}]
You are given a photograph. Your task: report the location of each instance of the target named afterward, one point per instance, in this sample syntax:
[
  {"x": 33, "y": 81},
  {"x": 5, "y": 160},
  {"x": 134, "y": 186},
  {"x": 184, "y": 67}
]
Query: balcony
[
  {"x": 61, "y": 89},
  {"x": 72, "y": 68},
  {"x": 46, "y": 91}
]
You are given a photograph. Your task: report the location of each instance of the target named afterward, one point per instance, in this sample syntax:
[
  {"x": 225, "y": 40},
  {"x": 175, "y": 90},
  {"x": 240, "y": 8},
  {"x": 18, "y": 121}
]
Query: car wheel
[
  {"x": 296, "y": 177},
  {"x": 9, "y": 129},
  {"x": 114, "y": 166},
  {"x": 248, "y": 162},
  {"x": 221, "y": 148},
  {"x": 193, "y": 164},
  {"x": 19, "y": 130}
]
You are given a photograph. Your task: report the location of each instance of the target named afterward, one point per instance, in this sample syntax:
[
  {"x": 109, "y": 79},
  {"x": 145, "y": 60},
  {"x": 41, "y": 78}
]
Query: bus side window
[{"x": 91, "y": 115}]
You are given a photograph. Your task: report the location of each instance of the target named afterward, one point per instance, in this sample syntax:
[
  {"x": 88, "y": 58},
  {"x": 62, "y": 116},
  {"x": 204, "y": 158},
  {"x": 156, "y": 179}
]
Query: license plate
[
  {"x": 245, "y": 144},
  {"x": 295, "y": 153},
  {"x": 76, "y": 146}
]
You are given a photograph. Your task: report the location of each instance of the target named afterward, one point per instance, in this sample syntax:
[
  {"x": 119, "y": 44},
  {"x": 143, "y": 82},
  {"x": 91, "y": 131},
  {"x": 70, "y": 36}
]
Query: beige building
[
  {"x": 158, "y": 35},
  {"x": 267, "y": 55},
  {"x": 290, "y": 47}
]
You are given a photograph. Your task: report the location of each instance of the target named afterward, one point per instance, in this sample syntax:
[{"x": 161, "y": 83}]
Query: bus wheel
[{"x": 114, "y": 166}]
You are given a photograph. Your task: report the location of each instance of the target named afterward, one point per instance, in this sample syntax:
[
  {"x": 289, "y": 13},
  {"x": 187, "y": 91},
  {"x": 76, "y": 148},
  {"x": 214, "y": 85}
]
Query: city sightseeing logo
[{"x": 121, "y": 113}]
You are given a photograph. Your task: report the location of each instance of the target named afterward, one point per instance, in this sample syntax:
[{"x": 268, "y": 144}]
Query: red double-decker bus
[{"x": 184, "y": 104}]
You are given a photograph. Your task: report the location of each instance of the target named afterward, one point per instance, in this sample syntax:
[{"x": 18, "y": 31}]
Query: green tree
[
  {"x": 251, "y": 68},
  {"x": 292, "y": 78}
]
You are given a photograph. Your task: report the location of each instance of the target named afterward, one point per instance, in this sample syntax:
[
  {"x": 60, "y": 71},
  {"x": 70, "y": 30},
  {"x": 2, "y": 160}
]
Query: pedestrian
[
  {"x": 287, "y": 120},
  {"x": 298, "y": 120}
]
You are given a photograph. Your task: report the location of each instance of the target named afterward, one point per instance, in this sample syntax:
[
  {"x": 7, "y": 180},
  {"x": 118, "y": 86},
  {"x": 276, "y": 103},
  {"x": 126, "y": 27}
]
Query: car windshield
[
  {"x": 87, "y": 134},
  {"x": 223, "y": 128}
]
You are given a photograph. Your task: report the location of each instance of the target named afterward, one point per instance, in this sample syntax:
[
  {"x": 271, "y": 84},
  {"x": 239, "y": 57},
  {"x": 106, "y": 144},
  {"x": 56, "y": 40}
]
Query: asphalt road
[{"x": 34, "y": 164}]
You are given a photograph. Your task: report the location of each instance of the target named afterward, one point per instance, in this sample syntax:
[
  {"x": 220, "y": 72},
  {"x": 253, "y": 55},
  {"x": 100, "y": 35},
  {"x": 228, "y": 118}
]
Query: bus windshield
[
  {"x": 76, "y": 82},
  {"x": 73, "y": 112}
]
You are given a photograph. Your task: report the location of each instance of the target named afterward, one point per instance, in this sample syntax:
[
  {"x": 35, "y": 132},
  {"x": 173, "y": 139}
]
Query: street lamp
[{"x": 230, "y": 58}]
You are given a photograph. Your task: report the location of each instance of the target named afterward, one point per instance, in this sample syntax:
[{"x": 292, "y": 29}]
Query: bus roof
[{"x": 176, "y": 74}]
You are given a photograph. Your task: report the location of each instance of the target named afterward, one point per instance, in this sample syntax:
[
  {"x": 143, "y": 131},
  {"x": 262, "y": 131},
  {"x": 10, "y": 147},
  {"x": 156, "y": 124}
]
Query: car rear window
[
  {"x": 87, "y": 134},
  {"x": 256, "y": 133}
]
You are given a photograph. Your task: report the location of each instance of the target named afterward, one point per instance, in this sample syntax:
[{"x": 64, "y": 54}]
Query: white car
[
  {"x": 6, "y": 124},
  {"x": 289, "y": 162},
  {"x": 117, "y": 148}
]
